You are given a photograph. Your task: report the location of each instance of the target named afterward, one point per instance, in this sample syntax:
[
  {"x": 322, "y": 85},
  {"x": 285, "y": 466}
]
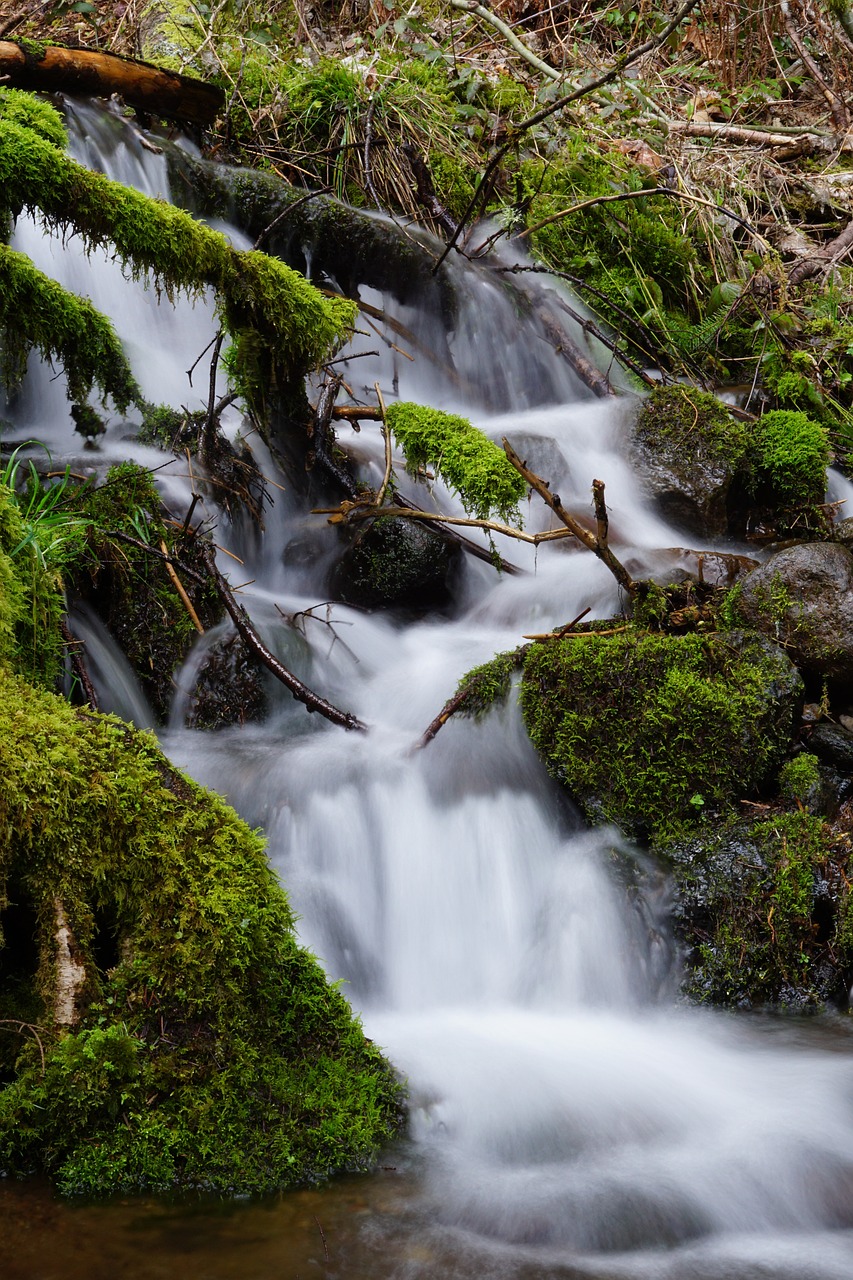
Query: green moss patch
[
  {"x": 206, "y": 1048},
  {"x": 793, "y": 454},
  {"x": 256, "y": 293},
  {"x": 649, "y": 731},
  {"x": 763, "y": 912},
  {"x": 466, "y": 459}
]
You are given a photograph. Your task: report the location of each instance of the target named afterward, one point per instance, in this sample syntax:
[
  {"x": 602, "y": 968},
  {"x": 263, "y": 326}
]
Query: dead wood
[
  {"x": 799, "y": 146},
  {"x": 825, "y": 256},
  {"x": 256, "y": 646},
  {"x": 74, "y": 649},
  {"x": 91, "y": 73},
  {"x": 595, "y": 542},
  {"x": 487, "y": 177},
  {"x": 425, "y": 190},
  {"x": 566, "y": 347}
]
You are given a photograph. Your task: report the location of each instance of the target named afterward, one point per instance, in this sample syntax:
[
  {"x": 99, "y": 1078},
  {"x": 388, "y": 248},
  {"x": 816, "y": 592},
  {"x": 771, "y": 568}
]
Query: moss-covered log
[
  {"x": 206, "y": 1047},
  {"x": 36, "y": 312},
  {"x": 264, "y": 304}
]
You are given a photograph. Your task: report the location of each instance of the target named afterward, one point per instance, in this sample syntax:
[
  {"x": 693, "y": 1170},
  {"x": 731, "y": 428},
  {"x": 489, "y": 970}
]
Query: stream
[{"x": 568, "y": 1117}]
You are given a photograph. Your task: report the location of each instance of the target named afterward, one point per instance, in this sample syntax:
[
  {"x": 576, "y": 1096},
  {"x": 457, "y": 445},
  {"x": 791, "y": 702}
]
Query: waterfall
[{"x": 567, "y": 1118}]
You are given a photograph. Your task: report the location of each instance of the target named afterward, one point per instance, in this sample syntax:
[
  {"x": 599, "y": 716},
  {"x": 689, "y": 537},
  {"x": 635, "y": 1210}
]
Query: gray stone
[{"x": 802, "y": 597}]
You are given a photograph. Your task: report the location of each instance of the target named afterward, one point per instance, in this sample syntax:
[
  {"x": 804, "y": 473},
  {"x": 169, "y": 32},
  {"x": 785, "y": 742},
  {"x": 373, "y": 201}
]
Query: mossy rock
[
  {"x": 803, "y": 597},
  {"x": 651, "y": 731},
  {"x": 763, "y": 912},
  {"x": 188, "y": 1040},
  {"x": 691, "y": 452},
  {"x": 396, "y": 562}
]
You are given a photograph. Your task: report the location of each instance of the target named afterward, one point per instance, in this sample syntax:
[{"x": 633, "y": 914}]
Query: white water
[{"x": 566, "y": 1119}]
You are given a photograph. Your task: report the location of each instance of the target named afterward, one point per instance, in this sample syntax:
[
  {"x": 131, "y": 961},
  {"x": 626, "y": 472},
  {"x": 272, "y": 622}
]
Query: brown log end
[{"x": 90, "y": 73}]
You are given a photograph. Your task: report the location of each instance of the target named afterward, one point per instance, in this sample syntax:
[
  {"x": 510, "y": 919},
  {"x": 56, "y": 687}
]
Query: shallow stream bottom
[{"x": 397, "y": 1223}]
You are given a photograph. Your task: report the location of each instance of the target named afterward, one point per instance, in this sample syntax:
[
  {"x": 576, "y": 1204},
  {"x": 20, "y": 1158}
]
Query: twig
[
  {"x": 179, "y": 587},
  {"x": 241, "y": 621},
  {"x": 208, "y": 435},
  {"x": 78, "y": 666},
  {"x": 471, "y": 6},
  {"x": 367, "y": 511},
  {"x": 840, "y": 116},
  {"x": 285, "y": 214},
  {"x": 594, "y": 544},
  {"x": 462, "y": 695},
  {"x": 532, "y": 121},
  {"x": 640, "y": 195},
  {"x": 27, "y": 1026},
  {"x": 386, "y": 436},
  {"x": 323, "y": 1238}
]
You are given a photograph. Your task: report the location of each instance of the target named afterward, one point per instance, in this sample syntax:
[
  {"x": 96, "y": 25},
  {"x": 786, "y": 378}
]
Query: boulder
[
  {"x": 690, "y": 452},
  {"x": 802, "y": 597},
  {"x": 396, "y": 562}
]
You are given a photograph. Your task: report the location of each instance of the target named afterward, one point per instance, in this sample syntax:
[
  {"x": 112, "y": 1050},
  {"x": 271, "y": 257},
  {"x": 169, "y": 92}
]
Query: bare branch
[{"x": 614, "y": 72}]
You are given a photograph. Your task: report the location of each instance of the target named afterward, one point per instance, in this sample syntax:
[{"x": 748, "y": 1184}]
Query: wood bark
[{"x": 90, "y": 73}]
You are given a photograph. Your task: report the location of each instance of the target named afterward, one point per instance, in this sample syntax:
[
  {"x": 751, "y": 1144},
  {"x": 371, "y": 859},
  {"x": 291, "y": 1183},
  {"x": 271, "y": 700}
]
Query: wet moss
[
  {"x": 685, "y": 420},
  {"x": 36, "y": 312},
  {"x": 206, "y": 1048},
  {"x": 793, "y": 454},
  {"x": 33, "y": 113},
  {"x": 651, "y": 731},
  {"x": 762, "y": 912},
  {"x": 467, "y": 461}
]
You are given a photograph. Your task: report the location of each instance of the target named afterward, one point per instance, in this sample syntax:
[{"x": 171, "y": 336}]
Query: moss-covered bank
[
  {"x": 159, "y": 1024},
  {"x": 187, "y": 1038}
]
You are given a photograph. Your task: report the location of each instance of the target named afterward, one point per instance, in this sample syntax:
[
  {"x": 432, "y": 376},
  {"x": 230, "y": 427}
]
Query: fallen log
[{"x": 90, "y": 73}]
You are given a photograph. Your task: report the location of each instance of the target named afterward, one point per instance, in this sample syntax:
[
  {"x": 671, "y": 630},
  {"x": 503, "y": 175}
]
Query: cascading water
[{"x": 566, "y": 1120}]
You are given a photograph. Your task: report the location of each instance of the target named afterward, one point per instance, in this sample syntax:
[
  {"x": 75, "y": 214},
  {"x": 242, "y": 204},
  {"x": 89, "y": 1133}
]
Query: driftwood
[{"x": 92, "y": 73}]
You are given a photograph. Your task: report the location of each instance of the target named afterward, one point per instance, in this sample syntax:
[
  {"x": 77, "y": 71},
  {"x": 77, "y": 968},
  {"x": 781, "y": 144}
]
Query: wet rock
[
  {"x": 761, "y": 912},
  {"x": 690, "y": 454},
  {"x": 396, "y": 562},
  {"x": 833, "y": 745},
  {"x": 803, "y": 598}
]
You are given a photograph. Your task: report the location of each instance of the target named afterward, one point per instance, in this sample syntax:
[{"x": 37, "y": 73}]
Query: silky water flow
[{"x": 566, "y": 1118}]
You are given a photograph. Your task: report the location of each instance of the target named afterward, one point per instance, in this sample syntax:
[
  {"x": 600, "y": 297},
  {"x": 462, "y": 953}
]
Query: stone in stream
[{"x": 803, "y": 597}]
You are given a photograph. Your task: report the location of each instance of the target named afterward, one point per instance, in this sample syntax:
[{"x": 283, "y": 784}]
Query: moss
[
  {"x": 762, "y": 911},
  {"x": 685, "y": 420},
  {"x": 209, "y": 1050},
  {"x": 256, "y": 293},
  {"x": 33, "y": 113},
  {"x": 37, "y": 312},
  {"x": 793, "y": 454},
  {"x": 799, "y": 778},
  {"x": 648, "y": 731},
  {"x": 467, "y": 461},
  {"x": 488, "y": 684}
]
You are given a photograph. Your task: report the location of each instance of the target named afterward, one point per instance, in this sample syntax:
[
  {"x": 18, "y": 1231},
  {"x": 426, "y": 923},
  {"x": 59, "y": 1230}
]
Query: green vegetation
[
  {"x": 206, "y": 1047},
  {"x": 772, "y": 902},
  {"x": 262, "y": 301},
  {"x": 793, "y": 454},
  {"x": 652, "y": 731},
  {"x": 799, "y": 779},
  {"x": 467, "y": 461},
  {"x": 685, "y": 421}
]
